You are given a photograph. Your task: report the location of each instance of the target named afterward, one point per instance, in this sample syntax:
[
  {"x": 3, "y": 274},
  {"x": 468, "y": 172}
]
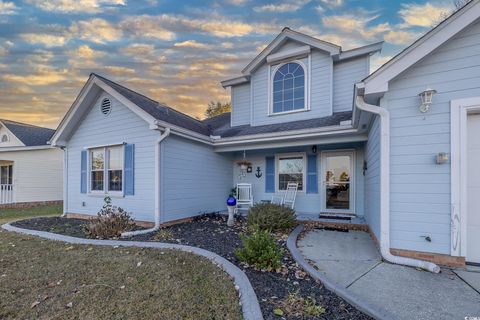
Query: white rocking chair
[
  {"x": 244, "y": 197},
  {"x": 288, "y": 199}
]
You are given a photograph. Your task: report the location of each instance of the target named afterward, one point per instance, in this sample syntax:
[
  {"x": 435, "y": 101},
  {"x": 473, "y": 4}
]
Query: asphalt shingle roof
[
  {"x": 29, "y": 134},
  {"x": 219, "y": 125}
]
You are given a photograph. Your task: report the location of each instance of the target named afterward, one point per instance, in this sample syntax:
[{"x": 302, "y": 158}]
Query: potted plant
[
  {"x": 231, "y": 204},
  {"x": 244, "y": 164}
]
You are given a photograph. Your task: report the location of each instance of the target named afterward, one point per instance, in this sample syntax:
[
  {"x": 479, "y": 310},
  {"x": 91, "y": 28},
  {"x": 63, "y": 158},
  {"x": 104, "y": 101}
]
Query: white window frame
[
  {"x": 271, "y": 75},
  {"x": 352, "y": 189},
  {"x": 277, "y": 168},
  {"x": 106, "y": 160}
]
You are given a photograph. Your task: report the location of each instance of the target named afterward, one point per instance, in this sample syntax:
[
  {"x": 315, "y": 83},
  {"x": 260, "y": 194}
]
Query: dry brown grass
[{"x": 41, "y": 279}]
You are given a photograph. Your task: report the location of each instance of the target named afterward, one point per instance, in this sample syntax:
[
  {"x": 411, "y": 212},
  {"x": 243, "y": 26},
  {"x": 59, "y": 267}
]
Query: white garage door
[{"x": 473, "y": 188}]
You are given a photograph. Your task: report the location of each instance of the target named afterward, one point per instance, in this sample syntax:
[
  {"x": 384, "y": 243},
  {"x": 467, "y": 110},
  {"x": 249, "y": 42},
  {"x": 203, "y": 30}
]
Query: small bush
[
  {"x": 110, "y": 222},
  {"x": 271, "y": 217},
  {"x": 260, "y": 250}
]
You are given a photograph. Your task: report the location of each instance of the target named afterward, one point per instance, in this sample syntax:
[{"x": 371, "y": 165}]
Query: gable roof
[
  {"x": 28, "y": 134},
  {"x": 310, "y": 42},
  {"x": 157, "y": 110},
  {"x": 378, "y": 81}
]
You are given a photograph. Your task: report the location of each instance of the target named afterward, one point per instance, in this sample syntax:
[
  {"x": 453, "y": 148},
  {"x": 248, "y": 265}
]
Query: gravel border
[
  {"x": 248, "y": 299},
  {"x": 353, "y": 299}
]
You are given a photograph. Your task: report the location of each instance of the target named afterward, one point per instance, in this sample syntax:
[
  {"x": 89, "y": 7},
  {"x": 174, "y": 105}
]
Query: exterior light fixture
[
  {"x": 314, "y": 149},
  {"x": 426, "y": 96}
]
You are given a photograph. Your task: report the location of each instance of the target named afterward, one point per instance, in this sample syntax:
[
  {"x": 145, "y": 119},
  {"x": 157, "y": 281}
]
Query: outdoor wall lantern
[
  {"x": 314, "y": 149},
  {"x": 426, "y": 96}
]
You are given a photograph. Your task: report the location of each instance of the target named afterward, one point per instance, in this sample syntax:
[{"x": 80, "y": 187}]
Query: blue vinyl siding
[
  {"x": 194, "y": 179},
  {"x": 420, "y": 189},
  {"x": 121, "y": 125},
  {"x": 241, "y": 104},
  {"x": 320, "y": 94},
  {"x": 372, "y": 178},
  {"x": 345, "y": 75}
]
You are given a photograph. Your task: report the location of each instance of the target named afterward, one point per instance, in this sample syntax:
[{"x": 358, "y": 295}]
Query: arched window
[
  {"x": 289, "y": 88},
  {"x": 4, "y": 138}
]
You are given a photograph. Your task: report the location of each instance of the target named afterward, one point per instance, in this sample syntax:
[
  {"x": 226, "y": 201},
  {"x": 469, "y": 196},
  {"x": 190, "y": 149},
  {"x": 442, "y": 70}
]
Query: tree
[{"x": 216, "y": 108}]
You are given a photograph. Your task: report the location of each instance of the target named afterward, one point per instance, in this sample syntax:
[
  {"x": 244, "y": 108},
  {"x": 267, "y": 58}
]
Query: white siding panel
[
  {"x": 37, "y": 174},
  {"x": 121, "y": 125}
]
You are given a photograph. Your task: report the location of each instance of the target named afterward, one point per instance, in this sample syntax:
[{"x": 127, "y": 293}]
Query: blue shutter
[
  {"x": 83, "y": 172},
  {"x": 129, "y": 169},
  {"x": 312, "y": 180},
  {"x": 270, "y": 174}
]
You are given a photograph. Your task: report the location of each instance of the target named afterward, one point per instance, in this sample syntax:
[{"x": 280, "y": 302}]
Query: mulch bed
[{"x": 211, "y": 232}]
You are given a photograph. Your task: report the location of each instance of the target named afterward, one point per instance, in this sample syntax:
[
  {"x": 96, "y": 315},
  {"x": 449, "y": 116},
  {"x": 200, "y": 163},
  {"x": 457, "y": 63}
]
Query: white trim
[
  {"x": 361, "y": 51},
  {"x": 459, "y": 112},
  {"x": 352, "y": 189},
  {"x": 306, "y": 106},
  {"x": 2, "y": 124},
  {"x": 277, "y": 167},
  {"x": 286, "y": 34},
  {"x": 93, "y": 80},
  {"x": 235, "y": 81},
  {"x": 20, "y": 148},
  {"x": 103, "y": 145},
  {"x": 378, "y": 81},
  {"x": 296, "y": 53},
  {"x": 106, "y": 159}
]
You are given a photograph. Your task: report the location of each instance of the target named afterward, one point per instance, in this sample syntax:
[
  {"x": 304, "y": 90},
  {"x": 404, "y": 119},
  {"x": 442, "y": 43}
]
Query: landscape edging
[
  {"x": 249, "y": 302},
  {"x": 348, "y": 296}
]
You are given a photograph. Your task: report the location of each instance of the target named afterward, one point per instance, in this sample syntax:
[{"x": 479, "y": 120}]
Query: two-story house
[{"x": 363, "y": 148}]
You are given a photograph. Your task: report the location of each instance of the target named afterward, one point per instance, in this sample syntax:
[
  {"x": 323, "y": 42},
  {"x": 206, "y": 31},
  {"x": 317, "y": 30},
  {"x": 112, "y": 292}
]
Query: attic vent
[
  {"x": 106, "y": 106},
  {"x": 4, "y": 138}
]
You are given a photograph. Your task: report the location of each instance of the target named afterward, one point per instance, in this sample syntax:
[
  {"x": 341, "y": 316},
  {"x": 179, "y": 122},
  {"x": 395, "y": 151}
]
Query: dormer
[{"x": 297, "y": 77}]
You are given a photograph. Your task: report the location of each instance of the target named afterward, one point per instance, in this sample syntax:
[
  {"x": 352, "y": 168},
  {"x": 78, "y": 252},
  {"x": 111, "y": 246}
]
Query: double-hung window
[
  {"x": 291, "y": 168},
  {"x": 106, "y": 169}
]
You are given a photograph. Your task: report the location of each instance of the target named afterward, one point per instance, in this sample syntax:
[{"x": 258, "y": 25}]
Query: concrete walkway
[{"x": 352, "y": 261}]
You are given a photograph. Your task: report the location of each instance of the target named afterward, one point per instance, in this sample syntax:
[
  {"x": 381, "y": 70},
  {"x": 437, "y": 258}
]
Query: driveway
[{"x": 351, "y": 260}]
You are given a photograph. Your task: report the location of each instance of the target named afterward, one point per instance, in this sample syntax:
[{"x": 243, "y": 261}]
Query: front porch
[
  {"x": 330, "y": 178},
  {"x": 6, "y": 182}
]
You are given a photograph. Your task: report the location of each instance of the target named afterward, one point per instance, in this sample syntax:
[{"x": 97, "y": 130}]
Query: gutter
[
  {"x": 158, "y": 144},
  {"x": 385, "y": 189},
  {"x": 23, "y": 148},
  {"x": 65, "y": 181}
]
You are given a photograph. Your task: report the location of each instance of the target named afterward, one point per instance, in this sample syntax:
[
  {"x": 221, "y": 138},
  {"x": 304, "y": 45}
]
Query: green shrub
[
  {"x": 260, "y": 250},
  {"x": 111, "y": 222},
  {"x": 271, "y": 217}
]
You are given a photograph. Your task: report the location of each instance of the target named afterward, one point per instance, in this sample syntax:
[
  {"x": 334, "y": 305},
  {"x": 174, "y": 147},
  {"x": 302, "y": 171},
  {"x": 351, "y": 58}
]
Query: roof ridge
[{"x": 126, "y": 88}]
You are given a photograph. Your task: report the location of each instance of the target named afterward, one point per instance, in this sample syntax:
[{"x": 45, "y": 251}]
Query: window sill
[
  {"x": 271, "y": 114},
  {"x": 103, "y": 195}
]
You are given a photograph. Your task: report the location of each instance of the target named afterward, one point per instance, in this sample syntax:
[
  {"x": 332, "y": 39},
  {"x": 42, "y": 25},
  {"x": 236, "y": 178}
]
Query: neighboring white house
[
  {"x": 361, "y": 147},
  {"x": 31, "y": 171}
]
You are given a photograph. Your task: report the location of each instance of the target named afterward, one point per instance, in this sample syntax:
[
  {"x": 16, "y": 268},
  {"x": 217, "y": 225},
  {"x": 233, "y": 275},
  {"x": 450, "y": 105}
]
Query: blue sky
[{"x": 176, "y": 52}]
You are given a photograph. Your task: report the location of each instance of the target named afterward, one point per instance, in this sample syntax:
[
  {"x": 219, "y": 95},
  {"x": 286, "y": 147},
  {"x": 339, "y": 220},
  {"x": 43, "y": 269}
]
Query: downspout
[
  {"x": 385, "y": 189},
  {"x": 162, "y": 137},
  {"x": 65, "y": 181}
]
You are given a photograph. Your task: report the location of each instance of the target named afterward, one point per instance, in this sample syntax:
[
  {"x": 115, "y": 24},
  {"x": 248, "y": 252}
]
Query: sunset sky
[{"x": 175, "y": 52}]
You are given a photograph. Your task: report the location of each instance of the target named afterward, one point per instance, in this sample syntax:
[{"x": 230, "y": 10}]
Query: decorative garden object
[{"x": 231, "y": 203}]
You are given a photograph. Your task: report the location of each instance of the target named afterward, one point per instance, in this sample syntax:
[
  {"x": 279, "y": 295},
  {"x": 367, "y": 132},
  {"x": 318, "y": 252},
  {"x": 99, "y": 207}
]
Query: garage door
[{"x": 473, "y": 189}]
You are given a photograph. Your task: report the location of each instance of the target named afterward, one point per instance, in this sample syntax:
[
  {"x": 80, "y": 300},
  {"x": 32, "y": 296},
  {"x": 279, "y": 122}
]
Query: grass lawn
[
  {"x": 7, "y": 215},
  {"x": 42, "y": 279}
]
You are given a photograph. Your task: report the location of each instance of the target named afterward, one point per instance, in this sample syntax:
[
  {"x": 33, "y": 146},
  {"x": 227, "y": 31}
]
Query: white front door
[
  {"x": 473, "y": 188},
  {"x": 337, "y": 181}
]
